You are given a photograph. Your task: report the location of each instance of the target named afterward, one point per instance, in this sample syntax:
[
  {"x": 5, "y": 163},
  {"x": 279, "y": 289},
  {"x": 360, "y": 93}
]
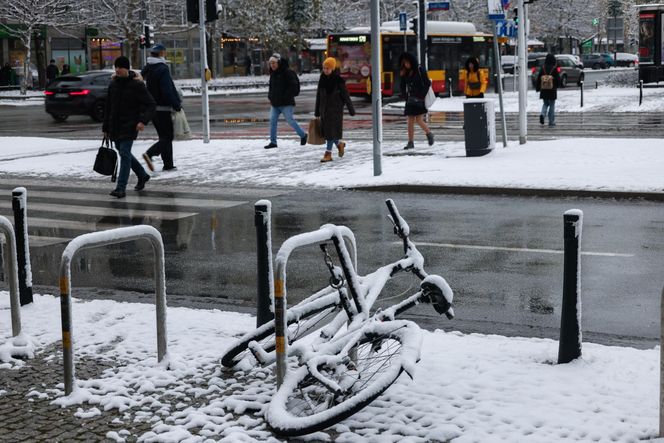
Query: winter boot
[
  {"x": 541, "y": 119},
  {"x": 430, "y": 138},
  {"x": 342, "y": 148},
  {"x": 141, "y": 183},
  {"x": 410, "y": 145},
  {"x": 303, "y": 140},
  {"x": 327, "y": 157},
  {"x": 270, "y": 145}
]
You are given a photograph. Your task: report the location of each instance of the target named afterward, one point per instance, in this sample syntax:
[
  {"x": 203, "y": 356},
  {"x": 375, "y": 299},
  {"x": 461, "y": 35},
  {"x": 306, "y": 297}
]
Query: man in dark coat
[
  {"x": 51, "y": 72},
  {"x": 284, "y": 86},
  {"x": 6, "y": 75},
  {"x": 160, "y": 84},
  {"x": 548, "y": 89},
  {"x": 331, "y": 97},
  {"x": 129, "y": 107}
]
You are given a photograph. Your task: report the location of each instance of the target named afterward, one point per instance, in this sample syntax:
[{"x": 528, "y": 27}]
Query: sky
[{"x": 466, "y": 388}]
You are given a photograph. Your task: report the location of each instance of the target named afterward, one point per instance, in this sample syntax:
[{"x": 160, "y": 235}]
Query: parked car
[
  {"x": 575, "y": 59},
  {"x": 82, "y": 94},
  {"x": 568, "y": 71},
  {"x": 608, "y": 58},
  {"x": 594, "y": 61},
  {"x": 626, "y": 59}
]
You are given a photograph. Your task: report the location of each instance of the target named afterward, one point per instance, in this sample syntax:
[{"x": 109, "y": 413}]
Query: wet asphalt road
[{"x": 500, "y": 254}]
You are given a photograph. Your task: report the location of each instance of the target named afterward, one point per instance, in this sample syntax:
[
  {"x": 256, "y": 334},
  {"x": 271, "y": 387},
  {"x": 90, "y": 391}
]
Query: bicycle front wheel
[{"x": 310, "y": 401}]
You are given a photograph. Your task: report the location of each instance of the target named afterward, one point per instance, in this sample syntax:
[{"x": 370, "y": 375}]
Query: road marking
[
  {"x": 101, "y": 211},
  {"x": 503, "y": 248}
]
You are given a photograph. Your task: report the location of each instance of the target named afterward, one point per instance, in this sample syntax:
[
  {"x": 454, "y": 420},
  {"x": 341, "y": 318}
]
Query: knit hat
[
  {"x": 275, "y": 57},
  {"x": 330, "y": 63},
  {"x": 122, "y": 62}
]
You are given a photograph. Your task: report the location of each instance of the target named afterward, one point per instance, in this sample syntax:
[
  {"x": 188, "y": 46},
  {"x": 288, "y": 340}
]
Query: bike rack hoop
[
  {"x": 104, "y": 238},
  {"x": 7, "y": 229}
]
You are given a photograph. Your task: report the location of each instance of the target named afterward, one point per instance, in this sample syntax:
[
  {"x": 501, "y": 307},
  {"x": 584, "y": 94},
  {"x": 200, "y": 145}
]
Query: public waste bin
[{"x": 479, "y": 123}]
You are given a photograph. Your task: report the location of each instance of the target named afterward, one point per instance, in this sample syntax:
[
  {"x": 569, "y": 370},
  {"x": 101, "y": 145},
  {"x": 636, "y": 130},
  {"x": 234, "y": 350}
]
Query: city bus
[
  {"x": 651, "y": 47},
  {"x": 449, "y": 45}
]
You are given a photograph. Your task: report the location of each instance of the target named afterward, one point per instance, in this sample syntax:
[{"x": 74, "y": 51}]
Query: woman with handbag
[
  {"x": 475, "y": 83},
  {"x": 415, "y": 85},
  {"x": 331, "y": 97},
  {"x": 129, "y": 107}
]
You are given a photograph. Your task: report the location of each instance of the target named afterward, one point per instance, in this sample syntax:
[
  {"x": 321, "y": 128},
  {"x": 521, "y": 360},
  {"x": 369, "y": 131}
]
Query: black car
[
  {"x": 82, "y": 94},
  {"x": 594, "y": 61}
]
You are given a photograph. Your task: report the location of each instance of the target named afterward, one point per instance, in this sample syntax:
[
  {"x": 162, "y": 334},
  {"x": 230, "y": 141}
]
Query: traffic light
[
  {"x": 212, "y": 10},
  {"x": 516, "y": 16},
  {"x": 413, "y": 25},
  {"x": 148, "y": 34},
  {"x": 141, "y": 41}
]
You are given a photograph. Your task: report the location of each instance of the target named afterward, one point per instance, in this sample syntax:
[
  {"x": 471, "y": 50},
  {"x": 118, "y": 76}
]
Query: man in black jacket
[
  {"x": 51, "y": 72},
  {"x": 129, "y": 107},
  {"x": 284, "y": 86},
  {"x": 160, "y": 84}
]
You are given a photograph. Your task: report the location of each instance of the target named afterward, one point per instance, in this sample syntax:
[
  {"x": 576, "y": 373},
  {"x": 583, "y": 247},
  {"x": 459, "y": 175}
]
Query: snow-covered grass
[{"x": 466, "y": 388}]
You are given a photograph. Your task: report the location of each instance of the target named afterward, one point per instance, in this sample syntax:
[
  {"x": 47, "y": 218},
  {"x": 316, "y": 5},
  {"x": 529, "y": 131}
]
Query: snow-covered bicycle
[{"x": 358, "y": 354}]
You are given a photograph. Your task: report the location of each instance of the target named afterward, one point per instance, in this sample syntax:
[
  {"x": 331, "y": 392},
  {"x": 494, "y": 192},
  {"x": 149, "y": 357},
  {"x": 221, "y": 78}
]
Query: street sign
[
  {"x": 506, "y": 28},
  {"x": 403, "y": 21},
  {"x": 439, "y": 6},
  {"x": 496, "y": 11}
]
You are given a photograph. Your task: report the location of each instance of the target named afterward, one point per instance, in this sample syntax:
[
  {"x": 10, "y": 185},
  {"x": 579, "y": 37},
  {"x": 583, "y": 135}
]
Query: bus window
[{"x": 646, "y": 37}]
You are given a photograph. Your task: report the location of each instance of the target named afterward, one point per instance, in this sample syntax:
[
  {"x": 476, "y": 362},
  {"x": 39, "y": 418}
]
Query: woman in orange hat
[{"x": 331, "y": 97}]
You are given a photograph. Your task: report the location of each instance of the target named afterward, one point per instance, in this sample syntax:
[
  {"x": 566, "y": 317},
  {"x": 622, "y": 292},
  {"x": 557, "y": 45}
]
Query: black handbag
[{"x": 106, "y": 162}]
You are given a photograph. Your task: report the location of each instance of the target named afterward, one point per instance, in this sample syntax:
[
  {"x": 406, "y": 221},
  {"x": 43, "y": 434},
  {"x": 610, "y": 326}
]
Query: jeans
[
  {"x": 127, "y": 161},
  {"x": 330, "y": 144},
  {"x": 163, "y": 123},
  {"x": 288, "y": 115},
  {"x": 551, "y": 104}
]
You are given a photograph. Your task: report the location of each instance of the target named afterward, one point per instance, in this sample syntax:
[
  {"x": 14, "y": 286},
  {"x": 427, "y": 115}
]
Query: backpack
[
  {"x": 297, "y": 84},
  {"x": 546, "y": 80}
]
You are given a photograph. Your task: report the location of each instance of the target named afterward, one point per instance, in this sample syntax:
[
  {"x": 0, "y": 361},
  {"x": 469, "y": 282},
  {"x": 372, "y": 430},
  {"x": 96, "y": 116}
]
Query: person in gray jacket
[{"x": 160, "y": 85}]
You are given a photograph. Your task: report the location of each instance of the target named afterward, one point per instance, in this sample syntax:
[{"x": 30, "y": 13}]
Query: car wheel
[
  {"x": 581, "y": 79},
  {"x": 98, "y": 110},
  {"x": 563, "y": 81},
  {"x": 59, "y": 117},
  {"x": 596, "y": 66}
]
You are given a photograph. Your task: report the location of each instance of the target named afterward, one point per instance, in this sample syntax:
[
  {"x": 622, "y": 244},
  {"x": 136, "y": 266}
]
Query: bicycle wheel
[
  {"x": 307, "y": 403},
  {"x": 303, "y": 318}
]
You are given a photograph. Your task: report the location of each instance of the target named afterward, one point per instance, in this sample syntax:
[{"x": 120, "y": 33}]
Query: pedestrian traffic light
[
  {"x": 148, "y": 32},
  {"x": 516, "y": 15},
  {"x": 413, "y": 25},
  {"x": 212, "y": 10}
]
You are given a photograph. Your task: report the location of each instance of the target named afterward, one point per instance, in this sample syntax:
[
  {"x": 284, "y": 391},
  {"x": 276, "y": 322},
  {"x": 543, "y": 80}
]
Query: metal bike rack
[
  {"x": 7, "y": 229},
  {"x": 325, "y": 233},
  {"x": 104, "y": 238}
]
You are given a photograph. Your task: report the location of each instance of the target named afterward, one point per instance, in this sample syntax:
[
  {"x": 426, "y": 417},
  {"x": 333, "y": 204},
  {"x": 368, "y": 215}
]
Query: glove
[{"x": 352, "y": 112}]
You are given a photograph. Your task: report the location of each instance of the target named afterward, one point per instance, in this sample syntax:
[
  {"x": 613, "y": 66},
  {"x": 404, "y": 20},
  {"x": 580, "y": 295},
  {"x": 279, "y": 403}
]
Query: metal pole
[
  {"x": 103, "y": 238},
  {"x": 640, "y": 92},
  {"x": 14, "y": 303},
  {"x": 569, "y": 346},
  {"x": 581, "y": 88},
  {"x": 262, "y": 218},
  {"x": 523, "y": 76},
  {"x": 205, "y": 106},
  {"x": 422, "y": 35},
  {"x": 496, "y": 51},
  {"x": 19, "y": 205},
  {"x": 449, "y": 80},
  {"x": 661, "y": 368},
  {"x": 376, "y": 99}
]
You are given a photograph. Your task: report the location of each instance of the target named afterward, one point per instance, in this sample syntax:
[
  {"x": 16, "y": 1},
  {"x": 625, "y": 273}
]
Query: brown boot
[
  {"x": 341, "y": 147},
  {"x": 327, "y": 157}
]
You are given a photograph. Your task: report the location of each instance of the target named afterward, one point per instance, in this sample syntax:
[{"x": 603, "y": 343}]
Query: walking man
[
  {"x": 51, "y": 72},
  {"x": 284, "y": 86},
  {"x": 160, "y": 85}
]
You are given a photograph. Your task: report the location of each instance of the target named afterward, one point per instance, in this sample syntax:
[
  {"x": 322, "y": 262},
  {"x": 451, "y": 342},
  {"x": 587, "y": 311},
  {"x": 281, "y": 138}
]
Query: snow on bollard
[
  {"x": 20, "y": 208},
  {"x": 569, "y": 346},
  {"x": 104, "y": 238}
]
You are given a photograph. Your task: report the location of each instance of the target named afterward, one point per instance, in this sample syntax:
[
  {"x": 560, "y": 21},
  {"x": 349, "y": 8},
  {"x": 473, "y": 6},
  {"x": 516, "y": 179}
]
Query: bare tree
[{"x": 23, "y": 18}]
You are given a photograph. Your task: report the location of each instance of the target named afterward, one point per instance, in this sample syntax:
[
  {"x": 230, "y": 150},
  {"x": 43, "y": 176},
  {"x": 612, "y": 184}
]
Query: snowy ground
[{"x": 468, "y": 388}]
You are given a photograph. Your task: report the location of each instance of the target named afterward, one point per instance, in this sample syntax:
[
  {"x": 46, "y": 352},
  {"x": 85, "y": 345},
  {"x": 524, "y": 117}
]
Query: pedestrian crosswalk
[{"x": 57, "y": 215}]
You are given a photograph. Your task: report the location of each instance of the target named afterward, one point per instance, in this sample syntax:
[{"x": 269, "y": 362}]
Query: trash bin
[{"x": 479, "y": 123}]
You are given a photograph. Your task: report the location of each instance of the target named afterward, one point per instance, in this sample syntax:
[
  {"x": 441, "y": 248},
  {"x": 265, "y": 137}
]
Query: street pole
[
  {"x": 523, "y": 75},
  {"x": 376, "y": 99},
  {"x": 205, "y": 106},
  {"x": 496, "y": 51},
  {"x": 422, "y": 34}
]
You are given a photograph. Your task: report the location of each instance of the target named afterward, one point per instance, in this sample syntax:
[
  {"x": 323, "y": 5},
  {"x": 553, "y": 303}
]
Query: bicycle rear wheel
[
  {"x": 304, "y": 318},
  {"x": 305, "y": 404}
]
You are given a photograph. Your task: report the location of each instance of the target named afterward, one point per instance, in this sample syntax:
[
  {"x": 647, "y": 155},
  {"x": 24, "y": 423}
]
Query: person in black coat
[
  {"x": 331, "y": 97},
  {"x": 51, "y": 72},
  {"x": 160, "y": 85},
  {"x": 129, "y": 107},
  {"x": 548, "y": 89},
  {"x": 284, "y": 86},
  {"x": 415, "y": 84}
]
